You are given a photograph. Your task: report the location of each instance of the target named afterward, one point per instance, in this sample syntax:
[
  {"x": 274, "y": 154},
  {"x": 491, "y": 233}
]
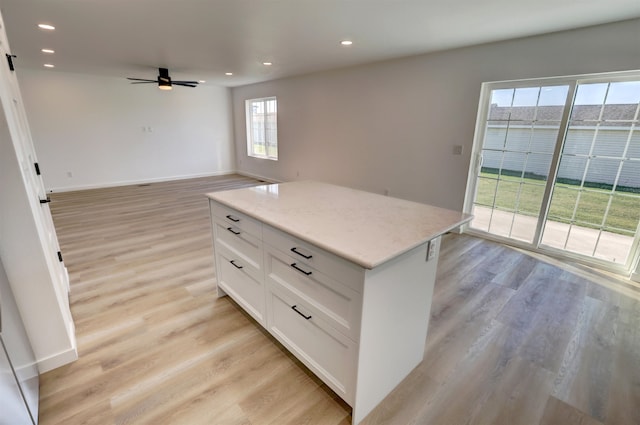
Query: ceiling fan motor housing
[{"x": 164, "y": 81}]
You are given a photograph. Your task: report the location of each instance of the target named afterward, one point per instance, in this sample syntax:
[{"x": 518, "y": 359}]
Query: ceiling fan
[{"x": 164, "y": 81}]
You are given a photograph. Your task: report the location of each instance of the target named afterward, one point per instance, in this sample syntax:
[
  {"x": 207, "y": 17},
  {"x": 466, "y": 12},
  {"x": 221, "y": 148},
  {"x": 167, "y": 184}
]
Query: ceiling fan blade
[
  {"x": 163, "y": 80},
  {"x": 141, "y": 79}
]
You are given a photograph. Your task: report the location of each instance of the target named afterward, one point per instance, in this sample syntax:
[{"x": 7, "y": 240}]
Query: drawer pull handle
[
  {"x": 232, "y": 218},
  {"x": 300, "y": 313},
  {"x": 232, "y": 231},
  {"x": 235, "y": 265},
  {"x": 306, "y": 257},
  {"x": 295, "y": 266}
]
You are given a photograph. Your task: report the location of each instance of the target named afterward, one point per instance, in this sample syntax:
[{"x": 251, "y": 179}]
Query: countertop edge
[{"x": 331, "y": 249}]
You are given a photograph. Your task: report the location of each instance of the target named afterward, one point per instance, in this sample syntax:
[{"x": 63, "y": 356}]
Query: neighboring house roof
[{"x": 581, "y": 115}]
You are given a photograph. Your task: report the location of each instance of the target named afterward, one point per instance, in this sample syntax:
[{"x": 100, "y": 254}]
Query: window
[
  {"x": 262, "y": 128},
  {"x": 558, "y": 167}
]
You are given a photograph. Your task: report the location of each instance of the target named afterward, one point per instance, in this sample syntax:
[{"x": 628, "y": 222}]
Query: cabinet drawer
[
  {"x": 337, "y": 304},
  {"x": 238, "y": 241},
  {"x": 330, "y": 264},
  {"x": 328, "y": 353},
  {"x": 241, "y": 262},
  {"x": 242, "y": 282},
  {"x": 236, "y": 219}
]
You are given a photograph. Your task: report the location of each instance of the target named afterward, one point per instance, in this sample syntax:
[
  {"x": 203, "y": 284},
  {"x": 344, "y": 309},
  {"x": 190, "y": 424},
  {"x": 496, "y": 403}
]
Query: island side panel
[
  {"x": 396, "y": 309},
  {"x": 216, "y": 262}
]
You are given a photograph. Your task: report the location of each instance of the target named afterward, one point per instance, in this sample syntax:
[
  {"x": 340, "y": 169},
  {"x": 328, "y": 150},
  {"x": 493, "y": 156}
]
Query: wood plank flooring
[{"x": 513, "y": 339}]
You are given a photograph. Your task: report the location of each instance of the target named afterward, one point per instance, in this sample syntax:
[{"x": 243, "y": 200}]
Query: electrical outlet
[
  {"x": 432, "y": 248},
  {"x": 457, "y": 149},
  {"x": 70, "y": 174}
]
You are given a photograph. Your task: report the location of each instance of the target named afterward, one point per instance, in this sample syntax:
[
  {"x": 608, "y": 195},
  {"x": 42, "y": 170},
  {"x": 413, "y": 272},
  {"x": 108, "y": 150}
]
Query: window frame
[
  {"x": 632, "y": 267},
  {"x": 270, "y": 140}
]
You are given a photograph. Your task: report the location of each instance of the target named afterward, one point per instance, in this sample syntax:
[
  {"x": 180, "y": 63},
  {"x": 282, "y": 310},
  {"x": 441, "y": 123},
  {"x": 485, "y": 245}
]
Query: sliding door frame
[
  {"x": 555, "y": 162},
  {"x": 632, "y": 266}
]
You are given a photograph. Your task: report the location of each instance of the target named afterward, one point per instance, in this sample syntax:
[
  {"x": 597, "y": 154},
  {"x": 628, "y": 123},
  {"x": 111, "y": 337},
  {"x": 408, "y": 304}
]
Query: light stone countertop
[{"x": 362, "y": 227}]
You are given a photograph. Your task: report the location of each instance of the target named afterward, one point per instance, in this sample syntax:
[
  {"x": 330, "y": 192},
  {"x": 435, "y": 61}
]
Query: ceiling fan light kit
[
  {"x": 164, "y": 81},
  {"x": 164, "y": 85}
]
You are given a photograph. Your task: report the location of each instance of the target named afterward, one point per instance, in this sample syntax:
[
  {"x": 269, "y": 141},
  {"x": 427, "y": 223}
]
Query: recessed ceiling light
[
  {"x": 46, "y": 27},
  {"x": 228, "y": 73},
  {"x": 267, "y": 63},
  {"x": 48, "y": 65},
  {"x": 346, "y": 42},
  {"x": 48, "y": 51}
]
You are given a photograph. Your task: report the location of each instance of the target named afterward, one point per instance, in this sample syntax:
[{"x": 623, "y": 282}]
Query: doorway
[{"x": 557, "y": 167}]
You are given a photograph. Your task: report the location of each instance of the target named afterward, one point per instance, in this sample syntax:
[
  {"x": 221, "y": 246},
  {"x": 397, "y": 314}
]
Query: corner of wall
[{"x": 258, "y": 177}]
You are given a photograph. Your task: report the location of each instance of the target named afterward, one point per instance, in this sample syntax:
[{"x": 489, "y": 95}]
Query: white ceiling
[{"x": 203, "y": 39}]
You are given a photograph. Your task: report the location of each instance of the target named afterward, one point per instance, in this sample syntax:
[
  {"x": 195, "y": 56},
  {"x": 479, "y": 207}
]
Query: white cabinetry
[
  {"x": 314, "y": 303},
  {"x": 360, "y": 330},
  {"x": 239, "y": 259}
]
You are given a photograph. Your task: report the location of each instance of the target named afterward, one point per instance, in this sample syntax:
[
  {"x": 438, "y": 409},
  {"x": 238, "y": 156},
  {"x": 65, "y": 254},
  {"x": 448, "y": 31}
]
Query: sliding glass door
[
  {"x": 558, "y": 167},
  {"x": 521, "y": 130},
  {"x": 595, "y": 206}
]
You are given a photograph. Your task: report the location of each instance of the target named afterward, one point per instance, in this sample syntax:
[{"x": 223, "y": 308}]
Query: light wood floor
[{"x": 513, "y": 339}]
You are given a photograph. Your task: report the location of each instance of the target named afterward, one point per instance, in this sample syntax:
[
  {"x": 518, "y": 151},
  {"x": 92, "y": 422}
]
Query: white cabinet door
[
  {"x": 328, "y": 353},
  {"x": 238, "y": 279}
]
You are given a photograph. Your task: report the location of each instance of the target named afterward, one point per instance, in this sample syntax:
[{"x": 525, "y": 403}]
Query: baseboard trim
[
  {"x": 258, "y": 177},
  {"x": 27, "y": 371},
  {"x": 635, "y": 277},
  {"x": 141, "y": 181},
  {"x": 60, "y": 359}
]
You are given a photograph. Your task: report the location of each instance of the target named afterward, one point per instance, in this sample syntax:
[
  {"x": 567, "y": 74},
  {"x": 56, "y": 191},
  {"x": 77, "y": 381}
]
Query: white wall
[
  {"x": 92, "y": 126},
  {"x": 392, "y": 125},
  {"x": 13, "y": 332}
]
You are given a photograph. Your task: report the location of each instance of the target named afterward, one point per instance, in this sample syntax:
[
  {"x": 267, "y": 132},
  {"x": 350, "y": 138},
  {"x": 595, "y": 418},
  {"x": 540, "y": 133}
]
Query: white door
[{"x": 26, "y": 156}]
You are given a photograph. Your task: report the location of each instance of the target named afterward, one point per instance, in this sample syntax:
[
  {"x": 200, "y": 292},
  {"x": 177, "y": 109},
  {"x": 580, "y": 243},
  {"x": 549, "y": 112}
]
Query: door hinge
[
  {"x": 10, "y": 60},
  {"x": 35, "y": 164},
  {"x": 60, "y": 256}
]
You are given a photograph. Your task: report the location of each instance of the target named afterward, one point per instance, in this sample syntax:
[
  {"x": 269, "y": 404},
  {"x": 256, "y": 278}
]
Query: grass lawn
[
  {"x": 525, "y": 196},
  {"x": 260, "y": 150}
]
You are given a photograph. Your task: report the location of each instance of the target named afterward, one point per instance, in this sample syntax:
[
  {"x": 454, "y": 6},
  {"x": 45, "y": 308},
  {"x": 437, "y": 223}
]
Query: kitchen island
[{"x": 342, "y": 278}]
